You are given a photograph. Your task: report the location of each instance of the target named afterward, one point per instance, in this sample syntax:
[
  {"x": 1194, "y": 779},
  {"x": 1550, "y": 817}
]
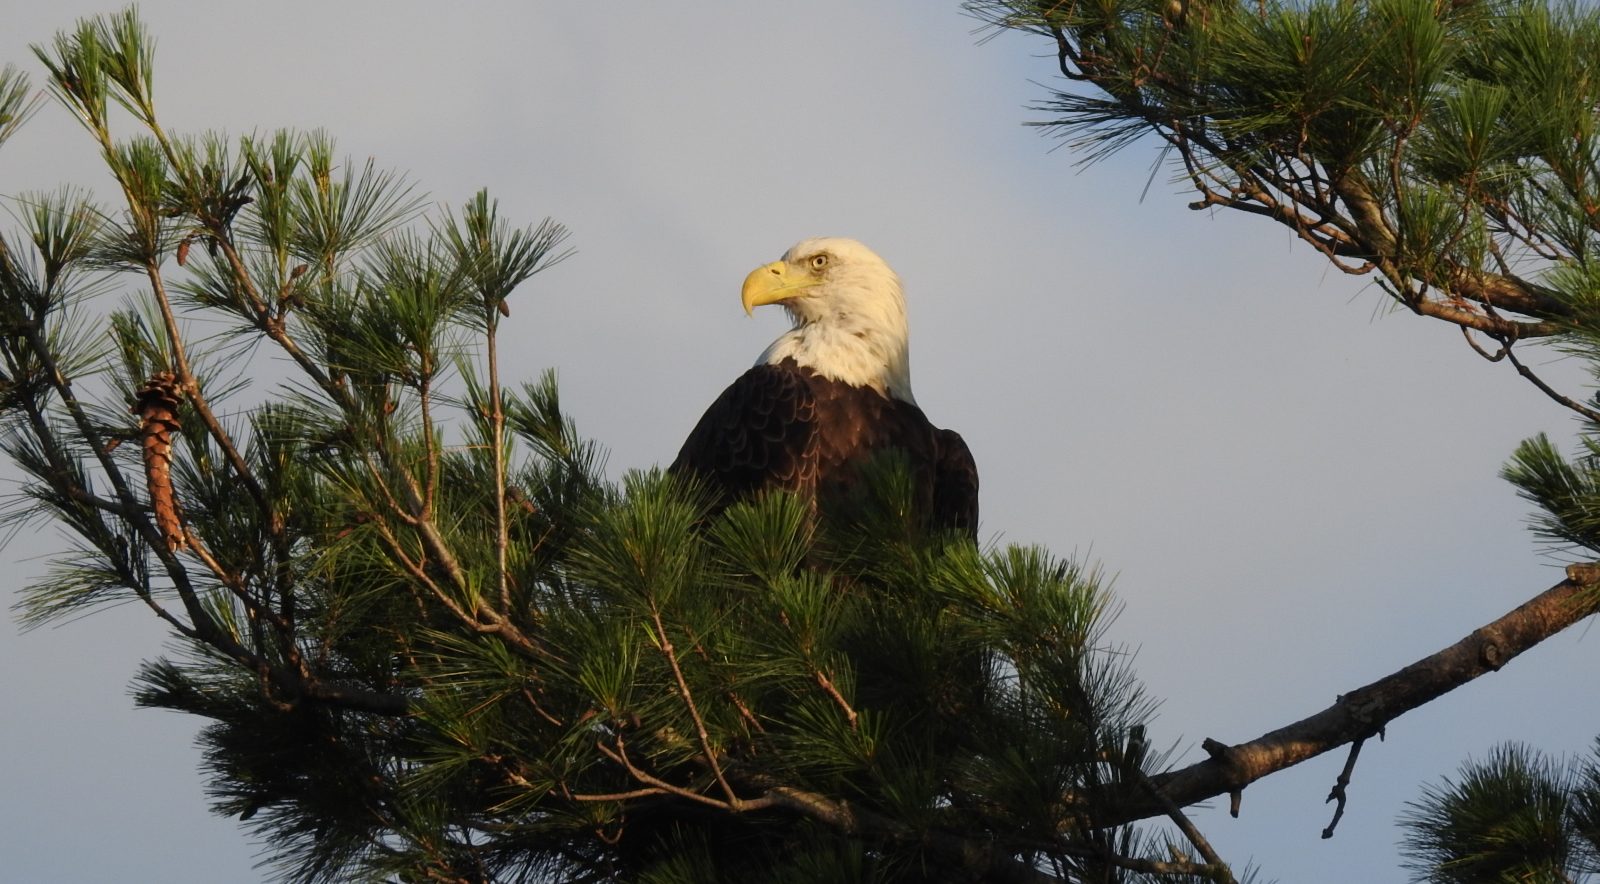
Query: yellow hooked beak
[{"x": 771, "y": 283}]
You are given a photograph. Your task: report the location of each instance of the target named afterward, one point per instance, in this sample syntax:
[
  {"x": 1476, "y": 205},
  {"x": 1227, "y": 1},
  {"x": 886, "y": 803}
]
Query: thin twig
[
  {"x": 827, "y": 685},
  {"x": 497, "y": 420},
  {"x": 1066, "y": 57},
  {"x": 228, "y": 579},
  {"x": 204, "y": 625},
  {"x": 665, "y": 643},
  {"x": 196, "y": 399},
  {"x": 135, "y": 515},
  {"x": 647, "y": 792},
  {"x": 1492, "y": 357},
  {"x": 538, "y": 707},
  {"x": 420, "y": 574},
  {"x": 1217, "y": 868},
  {"x": 1339, "y": 786},
  {"x": 430, "y": 535},
  {"x": 744, "y": 712},
  {"x": 430, "y": 451},
  {"x": 620, "y": 756},
  {"x": 495, "y": 624},
  {"x": 1545, "y": 388}
]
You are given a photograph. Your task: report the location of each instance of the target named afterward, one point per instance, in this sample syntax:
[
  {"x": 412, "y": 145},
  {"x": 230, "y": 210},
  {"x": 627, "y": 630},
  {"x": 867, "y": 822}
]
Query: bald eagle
[{"x": 831, "y": 393}]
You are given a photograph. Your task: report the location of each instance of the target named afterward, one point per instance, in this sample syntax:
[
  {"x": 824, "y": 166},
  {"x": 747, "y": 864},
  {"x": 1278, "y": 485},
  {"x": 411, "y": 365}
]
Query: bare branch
[
  {"x": 1364, "y": 710},
  {"x": 1340, "y": 785},
  {"x": 1550, "y": 391},
  {"x": 1501, "y": 328},
  {"x": 1066, "y": 57},
  {"x": 1492, "y": 357}
]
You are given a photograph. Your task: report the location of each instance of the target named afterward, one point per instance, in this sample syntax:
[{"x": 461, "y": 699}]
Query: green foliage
[
  {"x": 1568, "y": 492},
  {"x": 16, "y": 101},
  {"x": 495, "y": 258},
  {"x": 1449, "y": 149},
  {"x": 430, "y": 639},
  {"x": 1514, "y": 816}
]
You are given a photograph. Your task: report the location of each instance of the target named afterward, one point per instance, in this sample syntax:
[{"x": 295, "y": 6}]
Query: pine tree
[
  {"x": 429, "y": 639},
  {"x": 1449, "y": 152},
  {"x": 1514, "y": 816},
  {"x": 1446, "y": 151},
  {"x": 432, "y": 641}
]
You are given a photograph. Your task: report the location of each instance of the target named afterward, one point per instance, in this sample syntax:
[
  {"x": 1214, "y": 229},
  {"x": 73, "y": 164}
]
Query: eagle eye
[{"x": 818, "y": 262}]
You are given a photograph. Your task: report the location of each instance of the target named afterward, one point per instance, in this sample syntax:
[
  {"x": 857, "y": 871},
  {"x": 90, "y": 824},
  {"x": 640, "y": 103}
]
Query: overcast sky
[{"x": 1295, "y": 489}]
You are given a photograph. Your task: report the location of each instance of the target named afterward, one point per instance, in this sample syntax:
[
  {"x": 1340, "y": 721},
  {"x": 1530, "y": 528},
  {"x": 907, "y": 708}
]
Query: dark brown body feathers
[{"x": 785, "y": 426}]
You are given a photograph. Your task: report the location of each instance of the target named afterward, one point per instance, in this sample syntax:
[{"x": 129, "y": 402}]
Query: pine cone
[{"x": 156, "y": 404}]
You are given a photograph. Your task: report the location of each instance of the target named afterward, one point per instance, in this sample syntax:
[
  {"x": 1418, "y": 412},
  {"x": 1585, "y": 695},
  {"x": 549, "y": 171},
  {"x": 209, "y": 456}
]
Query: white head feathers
[{"x": 849, "y": 314}]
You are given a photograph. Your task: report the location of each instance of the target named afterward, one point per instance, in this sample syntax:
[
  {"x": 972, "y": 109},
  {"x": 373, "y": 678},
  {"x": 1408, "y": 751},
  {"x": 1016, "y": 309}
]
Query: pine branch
[
  {"x": 189, "y": 384},
  {"x": 1215, "y": 867},
  {"x": 664, "y": 643},
  {"x": 658, "y": 786},
  {"x": 60, "y": 478},
  {"x": 1390, "y": 137},
  {"x": 1365, "y": 710},
  {"x": 1545, "y": 388},
  {"x": 497, "y": 441},
  {"x": 202, "y": 623}
]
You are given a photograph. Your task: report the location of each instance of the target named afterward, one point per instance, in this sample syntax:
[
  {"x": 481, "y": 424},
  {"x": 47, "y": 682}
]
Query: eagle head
[{"x": 848, "y": 311}]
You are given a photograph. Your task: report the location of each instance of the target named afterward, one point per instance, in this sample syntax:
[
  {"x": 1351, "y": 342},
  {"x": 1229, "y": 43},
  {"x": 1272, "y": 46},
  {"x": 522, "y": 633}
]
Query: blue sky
[{"x": 1295, "y": 489}]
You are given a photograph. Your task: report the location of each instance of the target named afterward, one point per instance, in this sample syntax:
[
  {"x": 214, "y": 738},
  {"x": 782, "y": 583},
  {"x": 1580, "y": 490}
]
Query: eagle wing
[
  {"x": 760, "y": 433},
  {"x": 955, "y": 483}
]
